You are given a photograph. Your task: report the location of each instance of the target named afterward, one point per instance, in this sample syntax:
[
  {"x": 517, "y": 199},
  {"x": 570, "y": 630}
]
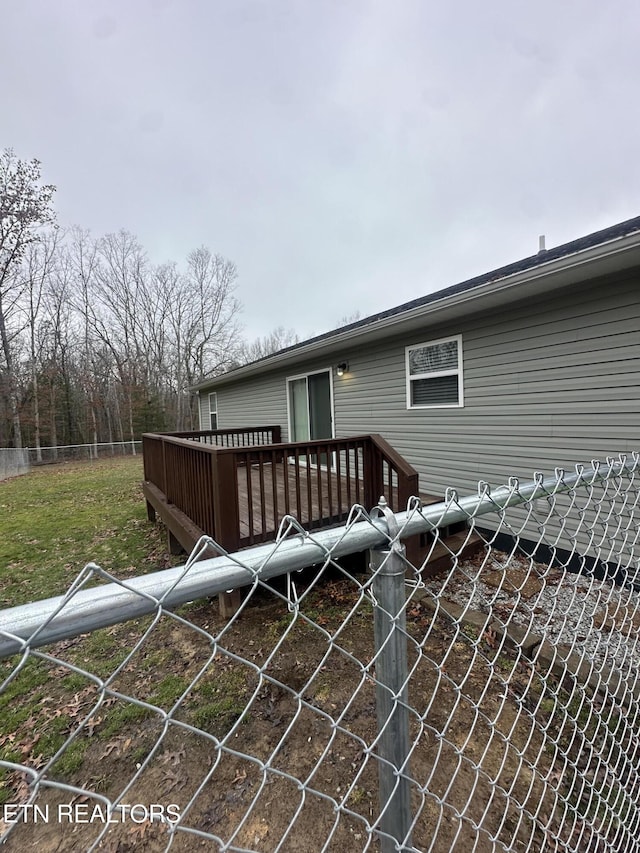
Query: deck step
[
  {"x": 459, "y": 543},
  {"x": 427, "y": 500}
]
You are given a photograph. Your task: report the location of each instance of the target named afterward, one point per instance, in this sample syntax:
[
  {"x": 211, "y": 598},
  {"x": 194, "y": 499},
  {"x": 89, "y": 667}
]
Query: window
[
  {"x": 434, "y": 374},
  {"x": 213, "y": 410}
]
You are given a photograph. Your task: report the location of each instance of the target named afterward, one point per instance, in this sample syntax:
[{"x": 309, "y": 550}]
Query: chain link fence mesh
[
  {"x": 13, "y": 462},
  {"x": 496, "y": 704},
  {"x": 82, "y": 452}
]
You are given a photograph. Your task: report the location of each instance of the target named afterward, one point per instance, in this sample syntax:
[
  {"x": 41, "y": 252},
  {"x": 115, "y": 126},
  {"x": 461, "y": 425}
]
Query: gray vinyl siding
[
  {"x": 254, "y": 403},
  {"x": 547, "y": 383},
  {"x": 203, "y": 408},
  {"x": 551, "y": 382}
]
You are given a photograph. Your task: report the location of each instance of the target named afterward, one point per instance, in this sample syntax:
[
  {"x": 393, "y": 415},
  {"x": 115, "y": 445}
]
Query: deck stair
[{"x": 459, "y": 543}]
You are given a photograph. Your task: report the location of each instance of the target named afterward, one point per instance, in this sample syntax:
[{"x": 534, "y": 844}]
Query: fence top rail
[
  {"x": 91, "y": 444},
  {"x": 42, "y": 622}
]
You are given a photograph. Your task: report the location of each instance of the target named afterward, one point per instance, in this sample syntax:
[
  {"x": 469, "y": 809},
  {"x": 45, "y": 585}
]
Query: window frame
[
  {"x": 213, "y": 410},
  {"x": 433, "y": 374}
]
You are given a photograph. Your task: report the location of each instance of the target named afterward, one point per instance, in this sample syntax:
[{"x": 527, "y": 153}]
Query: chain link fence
[
  {"x": 13, "y": 462},
  {"x": 82, "y": 452},
  {"x": 353, "y": 702}
]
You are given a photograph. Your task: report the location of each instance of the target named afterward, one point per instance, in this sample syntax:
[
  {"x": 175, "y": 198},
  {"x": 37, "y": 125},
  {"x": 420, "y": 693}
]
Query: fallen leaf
[
  {"x": 489, "y": 637},
  {"x": 172, "y": 780},
  {"x": 172, "y": 758},
  {"x": 139, "y": 831}
]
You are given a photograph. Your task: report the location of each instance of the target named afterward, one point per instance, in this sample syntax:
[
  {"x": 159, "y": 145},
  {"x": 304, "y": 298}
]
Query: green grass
[
  {"x": 21, "y": 710},
  {"x": 218, "y": 700},
  {"x": 167, "y": 692},
  {"x": 218, "y": 717},
  {"x": 119, "y": 718},
  {"x": 56, "y": 519}
]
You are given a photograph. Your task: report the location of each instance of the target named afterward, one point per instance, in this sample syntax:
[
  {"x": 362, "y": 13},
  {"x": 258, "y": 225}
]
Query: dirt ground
[{"x": 265, "y": 738}]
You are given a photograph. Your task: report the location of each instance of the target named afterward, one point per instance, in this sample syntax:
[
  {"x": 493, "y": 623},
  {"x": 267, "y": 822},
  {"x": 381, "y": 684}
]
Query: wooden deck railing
[
  {"x": 317, "y": 482},
  {"x": 233, "y": 437},
  {"x": 238, "y": 494}
]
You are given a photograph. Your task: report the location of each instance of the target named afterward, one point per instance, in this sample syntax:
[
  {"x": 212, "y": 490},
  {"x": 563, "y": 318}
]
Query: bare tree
[
  {"x": 280, "y": 338},
  {"x": 25, "y": 205},
  {"x": 82, "y": 263},
  {"x": 96, "y": 342},
  {"x": 349, "y": 318},
  {"x": 174, "y": 338},
  {"x": 59, "y": 344},
  {"x": 37, "y": 269},
  {"x": 212, "y": 322},
  {"x": 119, "y": 315}
]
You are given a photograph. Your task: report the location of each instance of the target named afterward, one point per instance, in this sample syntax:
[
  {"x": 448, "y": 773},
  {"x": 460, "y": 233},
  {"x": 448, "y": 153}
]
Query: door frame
[{"x": 306, "y": 375}]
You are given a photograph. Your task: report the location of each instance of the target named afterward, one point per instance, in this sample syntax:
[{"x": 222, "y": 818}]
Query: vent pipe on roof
[{"x": 541, "y": 243}]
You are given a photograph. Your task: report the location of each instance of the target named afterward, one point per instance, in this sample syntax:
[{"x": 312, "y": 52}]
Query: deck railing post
[
  {"x": 373, "y": 484},
  {"x": 164, "y": 484},
  {"x": 150, "y": 464},
  {"x": 392, "y": 694},
  {"x": 407, "y": 488},
  {"x": 226, "y": 517},
  {"x": 225, "y": 499}
]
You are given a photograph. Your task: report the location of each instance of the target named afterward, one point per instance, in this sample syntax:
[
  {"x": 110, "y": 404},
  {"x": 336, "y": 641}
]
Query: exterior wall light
[{"x": 342, "y": 368}]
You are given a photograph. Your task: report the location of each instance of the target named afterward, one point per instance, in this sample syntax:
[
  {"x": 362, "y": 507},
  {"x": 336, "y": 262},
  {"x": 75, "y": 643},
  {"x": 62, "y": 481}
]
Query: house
[{"x": 528, "y": 367}]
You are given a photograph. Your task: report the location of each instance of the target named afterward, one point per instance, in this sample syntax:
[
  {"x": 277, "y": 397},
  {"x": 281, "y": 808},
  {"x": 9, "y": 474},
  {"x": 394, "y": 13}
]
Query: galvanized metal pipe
[
  {"x": 392, "y": 697},
  {"x": 54, "y": 619}
]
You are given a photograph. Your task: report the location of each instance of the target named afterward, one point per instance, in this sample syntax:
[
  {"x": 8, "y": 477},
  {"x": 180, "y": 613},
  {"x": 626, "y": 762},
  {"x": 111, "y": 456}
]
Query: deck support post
[
  {"x": 173, "y": 544},
  {"x": 229, "y": 603}
]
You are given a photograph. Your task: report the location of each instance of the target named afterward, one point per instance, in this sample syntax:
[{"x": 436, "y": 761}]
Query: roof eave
[{"x": 613, "y": 256}]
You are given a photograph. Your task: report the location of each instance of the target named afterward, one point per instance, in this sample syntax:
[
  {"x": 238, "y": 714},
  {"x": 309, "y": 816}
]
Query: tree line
[{"x": 97, "y": 343}]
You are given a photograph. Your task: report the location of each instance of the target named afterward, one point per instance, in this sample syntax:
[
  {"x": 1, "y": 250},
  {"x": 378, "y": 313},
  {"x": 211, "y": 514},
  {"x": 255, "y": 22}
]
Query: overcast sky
[{"x": 347, "y": 156}]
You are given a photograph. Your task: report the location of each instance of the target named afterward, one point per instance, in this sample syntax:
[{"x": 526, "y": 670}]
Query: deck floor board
[{"x": 314, "y": 501}]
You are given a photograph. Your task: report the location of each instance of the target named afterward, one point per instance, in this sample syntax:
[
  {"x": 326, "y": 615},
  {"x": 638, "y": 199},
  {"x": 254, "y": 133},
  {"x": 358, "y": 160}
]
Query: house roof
[{"x": 608, "y": 250}]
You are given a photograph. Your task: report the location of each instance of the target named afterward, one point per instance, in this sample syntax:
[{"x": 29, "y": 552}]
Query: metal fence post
[{"x": 388, "y": 567}]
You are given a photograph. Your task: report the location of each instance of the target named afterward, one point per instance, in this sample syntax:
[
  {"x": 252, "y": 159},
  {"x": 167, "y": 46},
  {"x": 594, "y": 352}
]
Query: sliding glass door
[{"x": 310, "y": 407}]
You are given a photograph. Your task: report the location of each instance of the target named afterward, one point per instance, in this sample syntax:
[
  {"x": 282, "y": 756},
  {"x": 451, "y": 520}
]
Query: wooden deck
[
  {"x": 236, "y": 486},
  {"x": 232, "y": 486}
]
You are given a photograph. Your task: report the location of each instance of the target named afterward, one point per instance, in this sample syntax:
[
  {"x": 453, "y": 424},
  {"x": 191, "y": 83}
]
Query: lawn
[
  {"x": 58, "y": 518},
  {"x": 53, "y": 521}
]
